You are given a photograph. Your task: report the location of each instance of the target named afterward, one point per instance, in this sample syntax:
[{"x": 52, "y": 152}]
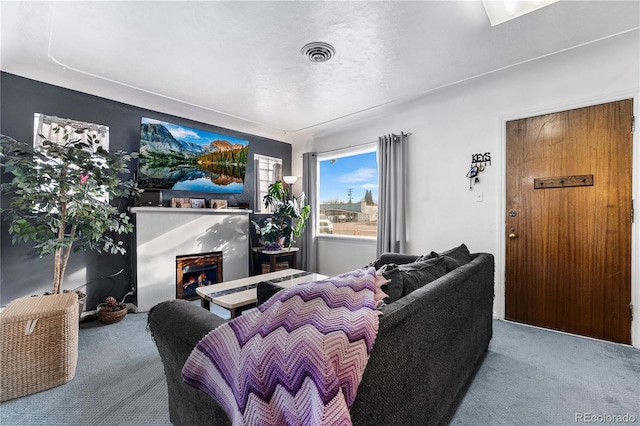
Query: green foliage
[
  {"x": 230, "y": 163},
  {"x": 368, "y": 198},
  {"x": 58, "y": 197},
  {"x": 232, "y": 156},
  {"x": 157, "y": 159},
  {"x": 289, "y": 215}
]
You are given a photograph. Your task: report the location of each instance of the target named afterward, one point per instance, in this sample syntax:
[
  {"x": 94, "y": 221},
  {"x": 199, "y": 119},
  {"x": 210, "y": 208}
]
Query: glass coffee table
[{"x": 239, "y": 295}]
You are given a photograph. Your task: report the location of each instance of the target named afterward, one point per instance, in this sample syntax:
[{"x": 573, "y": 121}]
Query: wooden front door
[{"x": 568, "y": 224}]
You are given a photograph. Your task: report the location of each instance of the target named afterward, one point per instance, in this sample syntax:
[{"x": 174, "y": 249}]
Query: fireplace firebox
[{"x": 197, "y": 270}]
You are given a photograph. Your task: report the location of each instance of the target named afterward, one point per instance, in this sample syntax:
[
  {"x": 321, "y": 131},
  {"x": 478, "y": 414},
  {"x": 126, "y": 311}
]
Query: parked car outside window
[{"x": 326, "y": 227}]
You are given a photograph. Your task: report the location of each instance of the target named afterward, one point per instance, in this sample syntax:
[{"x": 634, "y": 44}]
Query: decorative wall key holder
[{"x": 478, "y": 165}]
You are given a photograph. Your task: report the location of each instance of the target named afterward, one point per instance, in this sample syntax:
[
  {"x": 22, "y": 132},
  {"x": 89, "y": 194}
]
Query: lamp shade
[{"x": 290, "y": 180}]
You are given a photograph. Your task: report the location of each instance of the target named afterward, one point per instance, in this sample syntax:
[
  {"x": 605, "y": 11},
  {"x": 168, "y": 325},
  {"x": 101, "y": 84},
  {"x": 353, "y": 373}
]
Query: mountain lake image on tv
[{"x": 184, "y": 158}]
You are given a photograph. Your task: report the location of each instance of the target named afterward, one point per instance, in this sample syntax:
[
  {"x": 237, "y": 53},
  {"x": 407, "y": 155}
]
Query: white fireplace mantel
[
  {"x": 167, "y": 210},
  {"x": 162, "y": 233}
]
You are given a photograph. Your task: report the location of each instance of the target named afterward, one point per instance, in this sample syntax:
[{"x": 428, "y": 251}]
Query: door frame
[{"x": 500, "y": 299}]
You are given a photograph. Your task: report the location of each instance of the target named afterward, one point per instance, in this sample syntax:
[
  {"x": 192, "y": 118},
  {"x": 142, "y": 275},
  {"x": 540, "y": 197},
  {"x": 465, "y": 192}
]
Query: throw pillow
[
  {"x": 418, "y": 274},
  {"x": 393, "y": 288},
  {"x": 265, "y": 290},
  {"x": 374, "y": 264},
  {"x": 455, "y": 257}
]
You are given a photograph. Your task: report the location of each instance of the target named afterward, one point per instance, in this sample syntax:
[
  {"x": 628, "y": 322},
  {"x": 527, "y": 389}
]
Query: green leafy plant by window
[
  {"x": 60, "y": 197},
  {"x": 287, "y": 220}
]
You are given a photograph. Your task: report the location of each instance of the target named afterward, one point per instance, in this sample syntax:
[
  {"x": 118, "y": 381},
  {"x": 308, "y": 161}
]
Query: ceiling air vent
[{"x": 318, "y": 51}]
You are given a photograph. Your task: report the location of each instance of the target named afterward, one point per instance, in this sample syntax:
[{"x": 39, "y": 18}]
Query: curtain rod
[{"x": 352, "y": 146}]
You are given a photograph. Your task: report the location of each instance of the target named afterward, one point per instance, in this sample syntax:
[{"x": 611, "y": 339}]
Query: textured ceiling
[{"x": 242, "y": 59}]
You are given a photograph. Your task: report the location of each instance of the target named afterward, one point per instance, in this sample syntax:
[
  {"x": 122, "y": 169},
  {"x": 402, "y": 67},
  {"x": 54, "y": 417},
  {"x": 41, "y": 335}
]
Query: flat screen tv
[{"x": 187, "y": 159}]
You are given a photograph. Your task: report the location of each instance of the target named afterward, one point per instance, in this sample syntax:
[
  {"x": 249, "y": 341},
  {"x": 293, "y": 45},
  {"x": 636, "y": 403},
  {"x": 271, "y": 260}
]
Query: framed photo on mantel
[
  {"x": 198, "y": 203},
  {"x": 181, "y": 203},
  {"x": 218, "y": 204}
]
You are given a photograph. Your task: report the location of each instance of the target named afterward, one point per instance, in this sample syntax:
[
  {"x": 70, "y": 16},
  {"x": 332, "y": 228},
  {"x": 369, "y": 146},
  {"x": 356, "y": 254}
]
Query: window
[
  {"x": 348, "y": 192},
  {"x": 267, "y": 171}
]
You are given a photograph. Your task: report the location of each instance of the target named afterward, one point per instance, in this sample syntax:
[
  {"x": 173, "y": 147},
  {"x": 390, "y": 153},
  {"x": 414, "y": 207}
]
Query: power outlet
[{"x": 479, "y": 197}]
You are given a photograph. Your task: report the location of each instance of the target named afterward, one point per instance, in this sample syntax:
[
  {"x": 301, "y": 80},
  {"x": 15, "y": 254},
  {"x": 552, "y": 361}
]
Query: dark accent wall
[{"x": 22, "y": 272}]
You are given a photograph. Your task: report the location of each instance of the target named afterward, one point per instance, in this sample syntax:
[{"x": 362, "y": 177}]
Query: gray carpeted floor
[
  {"x": 530, "y": 376},
  {"x": 119, "y": 381},
  {"x": 533, "y": 376}
]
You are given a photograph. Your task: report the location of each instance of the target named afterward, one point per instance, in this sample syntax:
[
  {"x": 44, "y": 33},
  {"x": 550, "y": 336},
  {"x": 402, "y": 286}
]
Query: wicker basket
[
  {"x": 280, "y": 266},
  {"x": 81, "y": 301},
  {"x": 39, "y": 344},
  {"x": 107, "y": 317}
]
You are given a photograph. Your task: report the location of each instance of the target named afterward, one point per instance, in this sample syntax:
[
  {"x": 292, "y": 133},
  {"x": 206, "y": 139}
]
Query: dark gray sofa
[{"x": 428, "y": 347}]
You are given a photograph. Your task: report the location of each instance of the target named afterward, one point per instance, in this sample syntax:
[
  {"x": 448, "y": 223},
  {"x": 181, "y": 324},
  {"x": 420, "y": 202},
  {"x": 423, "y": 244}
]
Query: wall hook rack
[{"x": 478, "y": 164}]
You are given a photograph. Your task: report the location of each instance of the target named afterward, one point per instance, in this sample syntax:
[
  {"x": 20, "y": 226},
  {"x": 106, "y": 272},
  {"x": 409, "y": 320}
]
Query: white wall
[
  {"x": 451, "y": 124},
  {"x": 338, "y": 254}
]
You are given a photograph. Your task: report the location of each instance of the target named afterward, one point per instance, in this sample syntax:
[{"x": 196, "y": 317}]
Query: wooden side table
[{"x": 288, "y": 254}]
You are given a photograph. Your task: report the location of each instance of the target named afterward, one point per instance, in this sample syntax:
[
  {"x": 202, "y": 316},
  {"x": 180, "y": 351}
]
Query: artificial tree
[
  {"x": 287, "y": 220},
  {"x": 60, "y": 196}
]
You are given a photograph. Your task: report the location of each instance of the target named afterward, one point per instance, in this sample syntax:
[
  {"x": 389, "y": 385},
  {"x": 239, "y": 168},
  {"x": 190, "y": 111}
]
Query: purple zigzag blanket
[{"x": 298, "y": 358}]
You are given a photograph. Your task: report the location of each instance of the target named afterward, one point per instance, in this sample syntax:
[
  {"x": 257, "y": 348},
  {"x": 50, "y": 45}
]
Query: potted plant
[
  {"x": 110, "y": 311},
  {"x": 61, "y": 194},
  {"x": 287, "y": 220}
]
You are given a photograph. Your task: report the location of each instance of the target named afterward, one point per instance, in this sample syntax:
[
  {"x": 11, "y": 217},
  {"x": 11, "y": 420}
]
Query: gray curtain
[
  {"x": 392, "y": 227},
  {"x": 308, "y": 249}
]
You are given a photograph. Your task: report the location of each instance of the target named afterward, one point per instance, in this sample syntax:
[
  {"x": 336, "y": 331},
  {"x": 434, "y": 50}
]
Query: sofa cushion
[
  {"x": 455, "y": 257},
  {"x": 419, "y": 274},
  {"x": 265, "y": 290},
  {"x": 408, "y": 277},
  {"x": 387, "y": 265},
  {"x": 393, "y": 288},
  {"x": 397, "y": 258},
  {"x": 375, "y": 264}
]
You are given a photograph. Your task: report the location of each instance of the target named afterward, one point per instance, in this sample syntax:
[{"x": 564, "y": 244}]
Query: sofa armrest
[
  {"x": 428, "y": 345},
  {"x": 177, "y": 326},
  {"x": 182, "y": 321}
]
